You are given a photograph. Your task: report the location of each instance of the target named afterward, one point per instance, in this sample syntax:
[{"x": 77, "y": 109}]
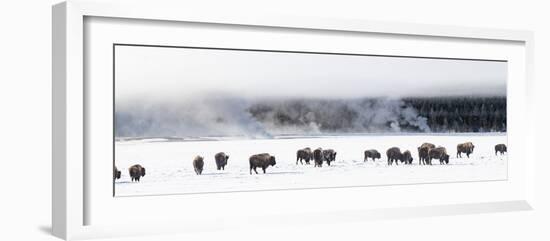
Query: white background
[{"x": 25, "y": 77}]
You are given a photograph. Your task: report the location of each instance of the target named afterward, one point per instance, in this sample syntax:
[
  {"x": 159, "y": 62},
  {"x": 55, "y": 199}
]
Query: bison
[
  {"x": 304, "y": 154},
  {"x": 438, "y": 153},
  {"x": 407, "y": 157},
  {"x": 329, "y": 155},
  {"x": 467, "y": 148},
  {"x": 116, "y": 173},
  {"x": 221, "y": 160},
  {"x": 423, "y": 158},
  {"x": 374, "y": 154},
  {"x": 318, "y": 157},
  {"x": 198, "y": 164},
  {"x": 394, "y": 154},
  {"x": 263, "y": 160},
  {"x": 423, "y": 153},
  {"x": 500, "y": 148},
  {"x": 136, "y": 172}
]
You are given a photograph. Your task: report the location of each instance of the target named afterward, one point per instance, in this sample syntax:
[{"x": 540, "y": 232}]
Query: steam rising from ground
[
  {"x": 262, "y": 118},
  {"x": 190, "y": 118},
  {"x": 261, "y": 94}
]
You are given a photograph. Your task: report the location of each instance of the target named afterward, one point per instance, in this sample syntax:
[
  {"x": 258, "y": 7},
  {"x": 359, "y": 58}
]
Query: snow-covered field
[{"x": 169, "y": 167}]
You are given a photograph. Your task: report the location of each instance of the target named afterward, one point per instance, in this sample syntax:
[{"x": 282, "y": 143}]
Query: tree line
[{"x": 462, "y": 114}]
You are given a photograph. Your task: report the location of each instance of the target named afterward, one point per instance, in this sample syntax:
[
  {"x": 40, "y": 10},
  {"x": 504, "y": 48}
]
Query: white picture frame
[{"x": 74, "y": 199}]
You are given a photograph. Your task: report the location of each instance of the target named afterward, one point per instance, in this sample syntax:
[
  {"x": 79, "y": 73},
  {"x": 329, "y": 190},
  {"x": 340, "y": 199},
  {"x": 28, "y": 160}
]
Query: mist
[
  {"x": 198, "y": 92},
  {"x": 264, "y": 118}
]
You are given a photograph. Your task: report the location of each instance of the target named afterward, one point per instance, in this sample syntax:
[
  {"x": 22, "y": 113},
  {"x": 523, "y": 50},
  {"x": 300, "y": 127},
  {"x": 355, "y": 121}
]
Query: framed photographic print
[
  {"x": 181, "y": 112},
  {"x": 180, "y": 115}
]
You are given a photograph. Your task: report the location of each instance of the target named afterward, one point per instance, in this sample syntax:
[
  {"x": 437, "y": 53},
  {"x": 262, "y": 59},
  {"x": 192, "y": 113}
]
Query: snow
[{"x": 169, "y": 167}]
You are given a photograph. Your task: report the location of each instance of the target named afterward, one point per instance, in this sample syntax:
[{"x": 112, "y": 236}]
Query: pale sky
[{"x": 155, "y": 72}]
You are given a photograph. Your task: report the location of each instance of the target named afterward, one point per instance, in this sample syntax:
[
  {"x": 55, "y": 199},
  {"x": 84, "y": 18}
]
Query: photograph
[{"x": 190, "y": 120}]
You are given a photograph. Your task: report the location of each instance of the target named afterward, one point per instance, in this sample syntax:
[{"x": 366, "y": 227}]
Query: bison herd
[
  {"x": 426, "y": 153},
  {"x": 318, "y": 156}
]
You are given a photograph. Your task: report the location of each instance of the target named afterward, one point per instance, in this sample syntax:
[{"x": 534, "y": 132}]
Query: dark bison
[
  {"x": 136, "y": 172},
  {"x": 198, "y": 164},
  {"x": 407, "y": 157},
  {"x": 318, "y": 157},
  {"x": 221, "y": 160},
  {"x": 304, "y": 154},
  {"x": 467, "y": 148},
  {"x": 423, "y": 150},
  {"x": 329, "y": 155},
  {"x": 394, "y": 154},
  {"x": 500, "y": 148},
  {"x": 262, "y": 160},
  {"x": 374, "y": 154},
  {"x": 116, "y": 173},
  {"x": 439, "y": 153}
]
